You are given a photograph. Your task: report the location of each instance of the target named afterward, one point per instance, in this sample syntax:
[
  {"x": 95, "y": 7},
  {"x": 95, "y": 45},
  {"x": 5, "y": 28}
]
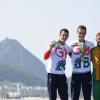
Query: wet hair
[
  {"x": 81, "y": 27},
  {"x": 97, "y": 34},
  {"x": 65, "y": 30}
]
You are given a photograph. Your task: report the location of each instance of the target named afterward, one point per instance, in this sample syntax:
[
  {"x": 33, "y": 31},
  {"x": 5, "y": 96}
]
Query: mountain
[{"x": 17, "y": 64}]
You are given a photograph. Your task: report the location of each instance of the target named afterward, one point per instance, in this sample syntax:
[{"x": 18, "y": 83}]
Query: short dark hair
[
  {"x": 81, "y": 27},
  {"x": 65, "y": 30}
]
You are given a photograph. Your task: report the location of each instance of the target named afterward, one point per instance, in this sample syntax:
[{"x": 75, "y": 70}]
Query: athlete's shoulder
[
  {"x": 74, "y": 42},
  {"x": 67, "y": 47},
  {"x": 89, "y": 43},
  {"x": 94, "y": 48}
]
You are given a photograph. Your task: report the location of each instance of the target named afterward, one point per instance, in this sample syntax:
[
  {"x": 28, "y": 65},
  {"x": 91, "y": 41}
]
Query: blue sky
[{"x": 35, "y": 23}]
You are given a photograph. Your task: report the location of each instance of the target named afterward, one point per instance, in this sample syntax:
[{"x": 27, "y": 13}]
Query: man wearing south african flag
[{"x": 96, "y": 68}]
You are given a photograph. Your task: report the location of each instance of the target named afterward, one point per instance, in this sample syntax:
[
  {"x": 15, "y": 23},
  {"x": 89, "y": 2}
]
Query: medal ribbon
[{"x": 82, "y": 49}]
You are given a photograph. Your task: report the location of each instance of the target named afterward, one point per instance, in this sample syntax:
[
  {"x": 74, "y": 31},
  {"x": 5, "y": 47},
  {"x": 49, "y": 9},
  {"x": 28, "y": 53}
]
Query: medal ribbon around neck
[{"x": 82, "y": 49}]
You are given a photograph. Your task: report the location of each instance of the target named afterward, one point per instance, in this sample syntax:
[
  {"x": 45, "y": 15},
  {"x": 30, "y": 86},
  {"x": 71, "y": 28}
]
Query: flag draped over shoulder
[{"x": 95, "y": 55}]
